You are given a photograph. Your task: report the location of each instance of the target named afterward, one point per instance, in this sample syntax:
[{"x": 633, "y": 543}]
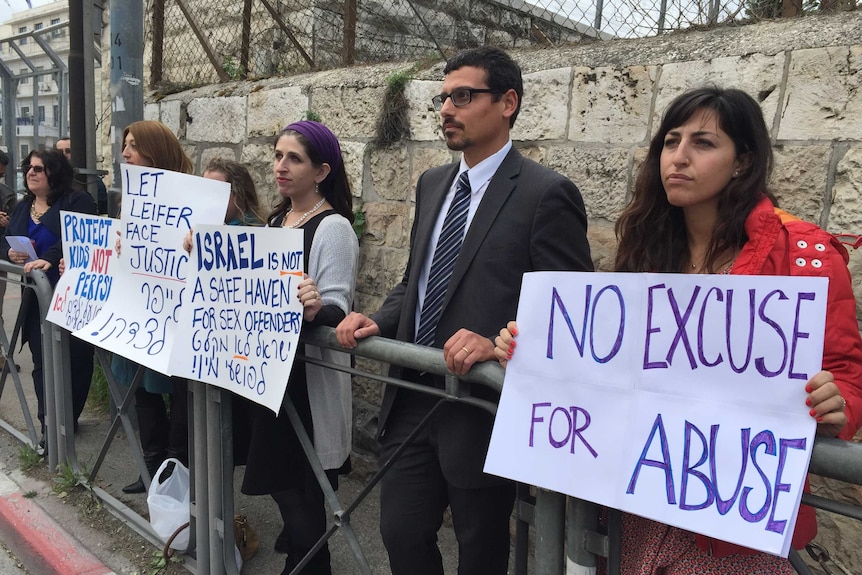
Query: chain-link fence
[{"x": 196, "y": 42}]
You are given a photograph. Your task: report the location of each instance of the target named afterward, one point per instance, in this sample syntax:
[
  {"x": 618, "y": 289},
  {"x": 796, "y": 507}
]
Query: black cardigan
[{"x": 19, "y": 221}]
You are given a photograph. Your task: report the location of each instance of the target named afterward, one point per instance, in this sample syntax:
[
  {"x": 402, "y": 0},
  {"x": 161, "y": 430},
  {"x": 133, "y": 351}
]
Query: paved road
[{"x": 9, "y": 564}]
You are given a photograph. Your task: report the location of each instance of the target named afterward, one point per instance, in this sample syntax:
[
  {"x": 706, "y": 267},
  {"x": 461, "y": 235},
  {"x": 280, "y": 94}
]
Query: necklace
[
  {"x": 304, "y": 216},
  {"x": 37, "y": 216}
]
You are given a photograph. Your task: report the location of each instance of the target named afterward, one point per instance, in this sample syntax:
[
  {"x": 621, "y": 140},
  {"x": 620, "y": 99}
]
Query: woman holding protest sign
[
  {"x": 701, "y": 205},
  {"x": 163, "y": 434},
  {"x": 48, "y": 180},
  {"x": 316, "y": 198}
]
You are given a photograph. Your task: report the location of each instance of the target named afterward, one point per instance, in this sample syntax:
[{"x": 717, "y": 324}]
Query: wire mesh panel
[{"x": 196, "y": 42}]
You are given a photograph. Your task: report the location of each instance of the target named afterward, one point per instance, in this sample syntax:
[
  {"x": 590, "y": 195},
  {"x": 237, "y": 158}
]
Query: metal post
[
  {"x": 550, "y": 522},
  {"x": 582, "y": 519},
  {"x": 662, "y": 12},
  {"x": 10, "y": 137},
  {"x": 127, "y": 72},
  {"x": 597, "y": 24},
  {"x": 199, "y": 465},
  {"x": 218, "y": 524},
  {"x": 82, "y": 96}
]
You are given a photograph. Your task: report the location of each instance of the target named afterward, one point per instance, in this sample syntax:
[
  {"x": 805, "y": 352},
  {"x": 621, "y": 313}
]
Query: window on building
[
  {"x": 43, "y": 77},
  {"x": 22, "y": 30},
  {"x": 56, "y": 33},
  {"x": 25, "y": 111},
  {"x": 41, "y": 114},
  {"x": 56, "y": 112},
  {"x": 25, "y": 150},
  {"x": 37, "y": 26},
  {"x": 23, "y": 80}
]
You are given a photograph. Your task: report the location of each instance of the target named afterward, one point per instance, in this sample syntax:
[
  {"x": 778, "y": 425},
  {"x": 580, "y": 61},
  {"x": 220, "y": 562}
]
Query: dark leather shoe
[{"x": 136, "y": 487}]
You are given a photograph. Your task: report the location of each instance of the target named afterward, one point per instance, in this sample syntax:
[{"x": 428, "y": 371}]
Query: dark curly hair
[
  {"x": 57, "y": 169},
  {"x": 651, "y": 232}
]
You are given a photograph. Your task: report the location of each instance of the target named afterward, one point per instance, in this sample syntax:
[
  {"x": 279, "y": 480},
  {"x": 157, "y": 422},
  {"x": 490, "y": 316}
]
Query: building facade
[{"x": 39, "y": 99}]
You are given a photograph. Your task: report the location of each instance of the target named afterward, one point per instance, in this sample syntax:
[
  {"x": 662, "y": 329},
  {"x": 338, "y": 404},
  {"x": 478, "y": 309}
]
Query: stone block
[
  {"x": 603, "y": 245},
  {"x": 269, "y": 111},
  {"x": 799, "y": 179},
  {"x": 536, "y": 153},
  {"x": 424, "y": 119},
  {"x": 390, "y": 173},
  {"x": 151, "y": 111},
  {"x": 349, "y": 111},
  {"x": 354, "y": 164},
  {"x": 171, "y": 114},
  {"x": 216, "y": 119},
  {"x": 387, "y": 223},
  {"x": 823, "y": 99},
  {"x": 758, "y": 74},
  {"x": 381, "y": 268},
  {"x": 258, "y": 159},
  {"x": 545, "y": 106},
  {"x": 611, "y": 105},
  {"x": 208, "y": 154},
  {"x": 855, "y": 267},
  {"x": 845, "y": 215},
  {"x": 600, "y": 173},
  {"x": 425, "y": 159}
]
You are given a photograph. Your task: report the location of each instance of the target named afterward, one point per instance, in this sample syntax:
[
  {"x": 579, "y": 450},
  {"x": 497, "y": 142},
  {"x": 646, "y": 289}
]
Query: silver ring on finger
[{"x": 843, "y": 403}]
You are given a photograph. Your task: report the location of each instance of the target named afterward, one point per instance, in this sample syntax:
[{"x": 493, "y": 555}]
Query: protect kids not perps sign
[{"x": 680, "y": 398}]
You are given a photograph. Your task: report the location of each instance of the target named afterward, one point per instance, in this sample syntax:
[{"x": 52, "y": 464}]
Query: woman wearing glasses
[{"x": 48, "y": 180}]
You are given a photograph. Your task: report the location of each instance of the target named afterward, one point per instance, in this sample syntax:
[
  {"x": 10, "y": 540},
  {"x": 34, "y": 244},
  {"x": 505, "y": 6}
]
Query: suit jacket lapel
[
  {"x": 432, "y": 202},
  {"x": 499, "y": 189}
]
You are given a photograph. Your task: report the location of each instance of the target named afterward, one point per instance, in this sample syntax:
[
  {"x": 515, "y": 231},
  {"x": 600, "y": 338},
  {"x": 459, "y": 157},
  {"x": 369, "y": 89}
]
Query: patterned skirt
[{"x": 652, "y": 548}]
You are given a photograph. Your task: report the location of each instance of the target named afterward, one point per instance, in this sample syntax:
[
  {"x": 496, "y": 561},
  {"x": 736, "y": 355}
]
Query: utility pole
[
  {"x": 127, "y": 74},
  {"x": 82, "y": 92}
]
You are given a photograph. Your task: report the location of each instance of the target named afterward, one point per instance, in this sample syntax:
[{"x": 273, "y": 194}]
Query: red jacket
[{"x": 782, "y": 245}]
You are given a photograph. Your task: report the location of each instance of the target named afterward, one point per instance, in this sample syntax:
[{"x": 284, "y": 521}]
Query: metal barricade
[
  {"x": 567, "y": 533},
  {"x": 36, "y": 289}
]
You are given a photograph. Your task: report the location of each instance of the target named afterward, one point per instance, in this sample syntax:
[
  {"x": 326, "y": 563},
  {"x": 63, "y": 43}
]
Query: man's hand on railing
[{"x": 355, "y": 327}]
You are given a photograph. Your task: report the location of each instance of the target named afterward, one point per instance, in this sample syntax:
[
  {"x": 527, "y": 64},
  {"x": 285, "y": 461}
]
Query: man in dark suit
[{"x": 521, "y": 217}]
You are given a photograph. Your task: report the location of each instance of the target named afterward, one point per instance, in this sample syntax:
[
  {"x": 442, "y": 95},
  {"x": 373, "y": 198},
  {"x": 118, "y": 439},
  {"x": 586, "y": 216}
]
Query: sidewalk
[{"x": 39, "y": 542}]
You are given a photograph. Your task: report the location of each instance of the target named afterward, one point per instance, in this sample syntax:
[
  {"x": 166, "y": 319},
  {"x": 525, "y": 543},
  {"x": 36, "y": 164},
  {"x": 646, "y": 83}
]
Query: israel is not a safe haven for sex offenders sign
[{"x": 680, "y": 398}]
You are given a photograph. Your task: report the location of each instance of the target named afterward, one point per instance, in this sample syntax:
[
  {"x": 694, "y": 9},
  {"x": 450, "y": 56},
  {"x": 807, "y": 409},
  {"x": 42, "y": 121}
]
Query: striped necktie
[{"x": 448, "y": 247}]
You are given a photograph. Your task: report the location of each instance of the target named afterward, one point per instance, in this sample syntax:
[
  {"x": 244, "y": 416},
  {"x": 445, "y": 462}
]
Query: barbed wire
[{"x": 207, "y": 41}]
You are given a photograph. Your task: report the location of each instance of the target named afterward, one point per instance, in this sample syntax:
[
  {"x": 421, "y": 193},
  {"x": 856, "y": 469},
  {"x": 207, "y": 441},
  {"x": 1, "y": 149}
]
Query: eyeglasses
[
  {"x": 460, "y": 96},
  {"x": 37, "y": 169}
]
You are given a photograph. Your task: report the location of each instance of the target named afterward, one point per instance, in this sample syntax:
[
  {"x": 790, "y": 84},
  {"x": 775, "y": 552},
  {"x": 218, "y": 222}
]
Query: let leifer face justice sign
[{"x": 680, "y": 398}]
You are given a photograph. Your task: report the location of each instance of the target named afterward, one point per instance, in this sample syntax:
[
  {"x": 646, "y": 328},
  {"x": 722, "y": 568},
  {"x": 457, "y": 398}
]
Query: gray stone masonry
[{"x": 588, "y": 112}]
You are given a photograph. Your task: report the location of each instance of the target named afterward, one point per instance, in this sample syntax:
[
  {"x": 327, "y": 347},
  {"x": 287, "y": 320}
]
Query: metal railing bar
[{"x": 838, "y": 507}]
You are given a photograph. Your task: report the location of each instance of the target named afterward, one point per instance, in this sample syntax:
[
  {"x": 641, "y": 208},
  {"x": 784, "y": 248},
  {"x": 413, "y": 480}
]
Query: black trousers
[
  {"x": 415, "y": 493},
  {"x": 164, "y": 434},
  {"x": 80, "y": 364}
]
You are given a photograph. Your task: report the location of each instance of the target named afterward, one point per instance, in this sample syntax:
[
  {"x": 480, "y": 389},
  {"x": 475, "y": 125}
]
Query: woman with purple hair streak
[{"x": 316, "y": 198}]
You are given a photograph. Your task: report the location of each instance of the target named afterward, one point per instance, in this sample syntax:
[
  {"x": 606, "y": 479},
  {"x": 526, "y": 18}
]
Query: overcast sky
[{"x": 8, "y": 7}]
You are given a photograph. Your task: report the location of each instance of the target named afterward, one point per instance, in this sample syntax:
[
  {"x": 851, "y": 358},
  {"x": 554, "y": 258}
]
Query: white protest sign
[
  {"x": 240, "y": 321},
  {"x": 140, "y": 316},
  {"x": 680, "y": 398},
  {"x": 88, "y": 252}
]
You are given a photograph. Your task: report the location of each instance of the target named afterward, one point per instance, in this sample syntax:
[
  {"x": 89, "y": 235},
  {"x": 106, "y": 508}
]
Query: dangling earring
[{"x": 317, "y": 189}]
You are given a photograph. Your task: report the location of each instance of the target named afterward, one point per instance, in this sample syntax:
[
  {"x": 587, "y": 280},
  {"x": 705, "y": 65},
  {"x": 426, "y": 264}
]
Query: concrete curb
[{"x": 38, "y": 541}]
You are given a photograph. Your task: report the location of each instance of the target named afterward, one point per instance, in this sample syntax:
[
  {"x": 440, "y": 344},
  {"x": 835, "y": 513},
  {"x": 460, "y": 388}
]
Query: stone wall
[{"x": 588, "y": 112}]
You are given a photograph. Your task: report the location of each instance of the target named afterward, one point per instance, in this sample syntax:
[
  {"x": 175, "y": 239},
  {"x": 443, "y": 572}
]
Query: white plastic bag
[{"x": 169, "y": 504}]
